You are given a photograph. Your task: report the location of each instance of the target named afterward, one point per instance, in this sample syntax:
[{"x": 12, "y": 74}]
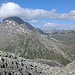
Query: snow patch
[
  {"x": 17, "y": 30},
  {"x": 6, "y": 27},
  {"x": 9, "y": 21},
  {"x": 13, "y": 23},
  {"x": 0, "y": 58}
]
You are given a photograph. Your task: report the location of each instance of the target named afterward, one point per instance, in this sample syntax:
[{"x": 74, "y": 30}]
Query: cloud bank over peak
[{"x": 11, "y": 9}]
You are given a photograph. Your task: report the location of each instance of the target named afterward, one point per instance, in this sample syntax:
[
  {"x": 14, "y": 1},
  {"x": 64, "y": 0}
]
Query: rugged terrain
[
  {"x": 24, "y": 40},
  {"x": 12, "y": 65}
]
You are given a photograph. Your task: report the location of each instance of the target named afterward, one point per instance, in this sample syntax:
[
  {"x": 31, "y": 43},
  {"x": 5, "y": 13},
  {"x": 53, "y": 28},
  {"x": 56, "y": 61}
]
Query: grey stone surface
[{"x": 12, "y": 65}]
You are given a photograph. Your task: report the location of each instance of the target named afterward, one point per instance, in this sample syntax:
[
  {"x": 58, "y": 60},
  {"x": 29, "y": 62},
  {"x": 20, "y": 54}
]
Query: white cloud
[
  {"x": 58, "y": 26},
  {"x": 12, "y": 9},
  {"x": 34, "y": 21},
  {"x": 52, "y": 25}
]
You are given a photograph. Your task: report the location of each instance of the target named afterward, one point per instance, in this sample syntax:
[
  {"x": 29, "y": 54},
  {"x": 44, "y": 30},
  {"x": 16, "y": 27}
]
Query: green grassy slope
[{"x": 69, "y": 41}]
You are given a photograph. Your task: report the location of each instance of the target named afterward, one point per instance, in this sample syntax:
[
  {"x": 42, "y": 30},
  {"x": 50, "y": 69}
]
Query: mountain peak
[{"x": 16, "y": 19}]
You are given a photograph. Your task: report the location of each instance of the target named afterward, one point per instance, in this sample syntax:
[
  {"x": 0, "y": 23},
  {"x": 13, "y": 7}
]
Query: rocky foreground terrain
[{"x": 13, "y": 65}]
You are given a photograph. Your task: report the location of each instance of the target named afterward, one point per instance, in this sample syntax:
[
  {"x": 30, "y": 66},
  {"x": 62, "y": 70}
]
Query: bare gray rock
[{"x": 12, "y": 65}]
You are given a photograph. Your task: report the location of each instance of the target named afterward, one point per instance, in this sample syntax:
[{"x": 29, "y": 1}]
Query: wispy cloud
[
  {"x": 12, "y": 9},
  {"x": 58, "y": 26},
  {"x": 52, "y": 25},
  {"x": 34, "y": 21}
]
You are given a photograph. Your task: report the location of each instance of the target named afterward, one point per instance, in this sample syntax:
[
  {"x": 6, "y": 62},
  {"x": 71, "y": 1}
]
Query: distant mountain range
[
  {"x": 55, "y": 31},
  {"x": 22, "y": 39}
]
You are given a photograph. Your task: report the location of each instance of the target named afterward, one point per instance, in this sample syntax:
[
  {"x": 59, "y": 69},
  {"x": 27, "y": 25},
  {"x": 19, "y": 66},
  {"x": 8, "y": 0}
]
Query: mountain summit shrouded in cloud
[
  {"x": 47, "y": 16},
  {"x": 13, "y": 9}
]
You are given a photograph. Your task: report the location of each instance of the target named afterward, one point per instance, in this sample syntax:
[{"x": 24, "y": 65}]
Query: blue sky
[{"x": 58, "y": 14}]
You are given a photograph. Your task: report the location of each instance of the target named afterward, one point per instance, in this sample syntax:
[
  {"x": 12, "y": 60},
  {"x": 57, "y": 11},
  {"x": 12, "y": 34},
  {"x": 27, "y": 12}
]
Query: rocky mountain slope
[
  {"x": 12, "y": 65},
  {"x": 24, "y": 40},
  {"x": 55, "y": 31},
  {"x": 69, "y": 40}
]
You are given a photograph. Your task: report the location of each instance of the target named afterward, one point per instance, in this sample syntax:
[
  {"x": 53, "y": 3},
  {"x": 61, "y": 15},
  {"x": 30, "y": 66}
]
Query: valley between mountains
[{"x": 23, "y": 40}]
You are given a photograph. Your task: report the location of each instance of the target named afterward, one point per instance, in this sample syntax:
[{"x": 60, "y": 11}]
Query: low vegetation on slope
[
  {"x": 69, "y": 41},
  {"x": 24, "y": 40}
]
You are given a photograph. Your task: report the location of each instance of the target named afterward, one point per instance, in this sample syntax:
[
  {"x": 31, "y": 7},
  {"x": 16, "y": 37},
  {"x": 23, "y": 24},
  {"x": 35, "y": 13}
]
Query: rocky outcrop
[{"x": 12, "y": 65}]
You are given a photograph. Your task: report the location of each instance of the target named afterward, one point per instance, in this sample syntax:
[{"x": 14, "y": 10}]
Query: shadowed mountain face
[
  {"x": 16, "y": 19},
  {"x": 19, "y": 21},
  {"x": 24, "y": 40}
]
